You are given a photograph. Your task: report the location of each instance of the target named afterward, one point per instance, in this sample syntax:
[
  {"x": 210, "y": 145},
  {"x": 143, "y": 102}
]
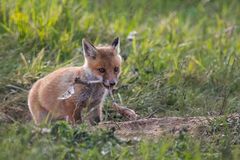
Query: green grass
[
  {"x": 183, "y": 61},
  {"x": 24, "y": 141}
]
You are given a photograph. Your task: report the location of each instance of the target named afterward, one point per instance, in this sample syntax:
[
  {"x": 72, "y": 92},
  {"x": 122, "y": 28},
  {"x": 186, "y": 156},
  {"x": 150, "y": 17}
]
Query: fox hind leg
[
  {"x": 39, "y": 113},
  {"x": 75, "y": 116}
]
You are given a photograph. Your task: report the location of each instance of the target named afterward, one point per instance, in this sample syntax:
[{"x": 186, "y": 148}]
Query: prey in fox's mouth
[{"x": 105, "y": 83}]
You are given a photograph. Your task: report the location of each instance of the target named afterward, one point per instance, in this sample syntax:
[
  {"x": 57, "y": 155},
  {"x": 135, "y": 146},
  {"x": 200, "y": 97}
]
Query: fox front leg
[
  {"x": 75, "y": 116},
  {"x": 95, "y": 114}
]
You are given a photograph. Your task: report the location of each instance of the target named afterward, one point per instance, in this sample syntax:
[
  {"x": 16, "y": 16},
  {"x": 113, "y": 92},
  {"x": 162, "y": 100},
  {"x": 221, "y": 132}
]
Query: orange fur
[{"x": 43, "y": 101}]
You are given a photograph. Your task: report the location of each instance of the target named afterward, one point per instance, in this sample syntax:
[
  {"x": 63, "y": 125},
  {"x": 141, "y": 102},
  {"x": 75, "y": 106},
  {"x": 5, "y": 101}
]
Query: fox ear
[
  {"x": 116, "y": 45},
  {"x": 88, "y": 49}
]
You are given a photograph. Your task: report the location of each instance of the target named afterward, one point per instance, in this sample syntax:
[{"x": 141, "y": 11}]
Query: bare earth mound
[{"x": 155, "y": 127}]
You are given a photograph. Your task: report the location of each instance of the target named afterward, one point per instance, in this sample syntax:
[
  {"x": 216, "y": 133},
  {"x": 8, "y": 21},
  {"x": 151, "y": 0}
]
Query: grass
[
  {"x": 61, "y": 141},
  {"x": 183, "y": 61},
  {"x": 65, "y": 143}
]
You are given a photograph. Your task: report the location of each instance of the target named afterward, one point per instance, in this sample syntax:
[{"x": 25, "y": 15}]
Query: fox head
[{"x": 103, "y": 62}]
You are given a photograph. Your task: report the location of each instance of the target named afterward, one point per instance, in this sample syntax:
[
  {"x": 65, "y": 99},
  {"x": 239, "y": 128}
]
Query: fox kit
[{"x": 101, "y": 63}]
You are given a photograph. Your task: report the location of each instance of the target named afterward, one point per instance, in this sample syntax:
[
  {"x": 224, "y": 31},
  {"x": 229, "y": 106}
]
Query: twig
[
  {"x": 116, "y": 123},
  {"x": 154, "y": 112},
  {"x": 7, "y": 117},
  {"x": 111, "y": 95},
  {"x": 16, "y": 87}
]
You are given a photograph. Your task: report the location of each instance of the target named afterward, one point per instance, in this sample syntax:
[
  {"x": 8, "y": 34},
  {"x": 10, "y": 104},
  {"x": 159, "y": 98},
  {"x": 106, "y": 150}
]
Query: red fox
[{"x": 101, "y": 63}]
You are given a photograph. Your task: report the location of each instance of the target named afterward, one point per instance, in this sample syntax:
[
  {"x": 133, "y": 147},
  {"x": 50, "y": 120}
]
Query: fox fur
[{"x": 101, "y": 63}]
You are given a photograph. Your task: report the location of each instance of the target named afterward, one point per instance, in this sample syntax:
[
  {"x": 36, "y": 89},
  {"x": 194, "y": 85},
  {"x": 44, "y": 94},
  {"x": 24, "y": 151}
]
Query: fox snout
[{"x": 110, "y": 83}]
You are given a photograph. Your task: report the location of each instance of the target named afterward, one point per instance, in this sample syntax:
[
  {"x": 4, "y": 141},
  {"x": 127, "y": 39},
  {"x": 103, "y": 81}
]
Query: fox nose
[{"x": 112, "y": 83}]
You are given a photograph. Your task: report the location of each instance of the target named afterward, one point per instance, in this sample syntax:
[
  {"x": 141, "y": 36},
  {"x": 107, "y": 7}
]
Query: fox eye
[
  {"x": 116, "y": 69},
  {"x": 101, "y": 70}
]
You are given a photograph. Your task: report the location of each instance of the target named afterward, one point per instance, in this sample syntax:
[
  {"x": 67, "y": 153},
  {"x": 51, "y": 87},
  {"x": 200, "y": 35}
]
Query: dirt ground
[{"x": 155, "y": 127}]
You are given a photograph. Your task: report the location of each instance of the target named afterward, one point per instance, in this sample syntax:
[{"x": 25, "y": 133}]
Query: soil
[{"x": 156, "y": 127}]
